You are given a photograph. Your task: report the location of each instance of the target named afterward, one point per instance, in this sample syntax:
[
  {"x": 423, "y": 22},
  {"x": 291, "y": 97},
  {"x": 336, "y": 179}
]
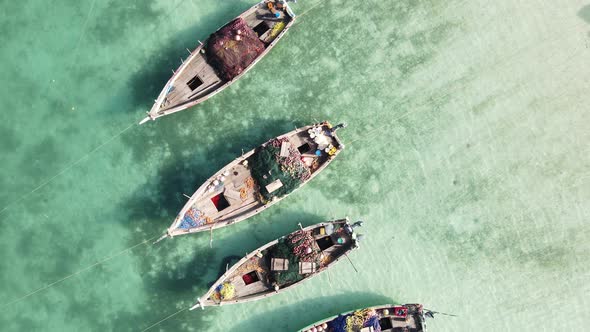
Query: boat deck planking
[{"x": 182, "y": 92}]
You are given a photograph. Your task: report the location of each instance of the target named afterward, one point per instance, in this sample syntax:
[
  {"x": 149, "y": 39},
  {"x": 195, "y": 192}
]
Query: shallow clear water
[{"x": 467, "y": 156}]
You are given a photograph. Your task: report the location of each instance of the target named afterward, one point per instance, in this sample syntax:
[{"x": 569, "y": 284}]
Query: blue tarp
[{"x": 192, "y": 218}]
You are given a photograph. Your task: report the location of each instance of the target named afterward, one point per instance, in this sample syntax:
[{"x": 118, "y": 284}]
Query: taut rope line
[
  {"x": 312, "y": 7},
  {"x": 83, "y": 30},
  {"x": 75, "y": 273},
  {"x": 46, "y": 182},
  {"x": 165, "y": 319}
]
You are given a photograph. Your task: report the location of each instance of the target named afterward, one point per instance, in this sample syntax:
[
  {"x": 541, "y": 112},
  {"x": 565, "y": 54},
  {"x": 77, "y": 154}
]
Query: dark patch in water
[
  {"x": 111, "y": 24},
  {"x": 161, "y": 303},
  {"x": 9, "y": 141},
  {"x": 39, "y": 161},
  {"x": 226, "y": 263},
  {"x": 66, "y": 254},
  {"x": 584, "y": 13}
]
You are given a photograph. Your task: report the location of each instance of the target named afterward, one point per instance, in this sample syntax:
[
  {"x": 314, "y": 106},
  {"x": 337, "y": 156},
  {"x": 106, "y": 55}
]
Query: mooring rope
[
  {"x": 307, "y": 11},
  {"x": 46, "y": 182},
  {"x": 75, "y": 52},
  {"x": 165, "y": 319},
  {"x": 76, "y": 273},
  {"x": 380, "y": 129},
  {"x": 83, "y": 31}
]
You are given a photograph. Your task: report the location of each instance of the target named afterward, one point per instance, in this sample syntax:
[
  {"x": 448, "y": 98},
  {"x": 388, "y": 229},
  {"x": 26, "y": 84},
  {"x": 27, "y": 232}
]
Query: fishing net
[
  {"x": 268, "y": 166},
  {"x": 355, "y": 321},
  {"x": 233, "y": 48},
  {"x": 297, "y": 247},
  {"x": 373, "y": 321},
  {"x": 225, "y": 291},
  {"x": 338, "y": 324}
]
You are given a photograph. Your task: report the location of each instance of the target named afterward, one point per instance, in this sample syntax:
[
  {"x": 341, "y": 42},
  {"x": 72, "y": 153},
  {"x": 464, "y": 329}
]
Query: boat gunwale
[
  {"x": 155, "y": 111},
  {"x": 204, "y": 302}
]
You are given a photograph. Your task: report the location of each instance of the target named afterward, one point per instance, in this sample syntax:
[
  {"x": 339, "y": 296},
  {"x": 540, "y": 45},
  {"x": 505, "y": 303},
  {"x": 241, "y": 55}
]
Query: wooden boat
[
  {"x": 224, "y": 57},
  {"x": 283, "y": 263},
  {"x": 258, "y": 179},
  {"x": 383, "y": 318}
]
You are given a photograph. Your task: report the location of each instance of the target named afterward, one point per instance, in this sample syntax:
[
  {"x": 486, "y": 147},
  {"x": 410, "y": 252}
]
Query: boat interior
[
  {"x": 233, "y": 193},
  {"x": 400, "y": 319},
  {"x": 396, "y": 318},
  {"x": 254, "y": 277},
  {"x": 198, "y": 78},
  {"x": 308, "y": 144}
]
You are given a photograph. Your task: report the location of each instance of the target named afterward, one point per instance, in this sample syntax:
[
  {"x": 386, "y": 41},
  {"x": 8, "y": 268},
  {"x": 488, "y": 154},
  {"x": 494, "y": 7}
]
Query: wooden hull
[
  {"x": 214, "y": 84},
  {"x": 235, "y": 176},
  {"x": 257, "y": 261},
  {"x": 389, "y": 317}
]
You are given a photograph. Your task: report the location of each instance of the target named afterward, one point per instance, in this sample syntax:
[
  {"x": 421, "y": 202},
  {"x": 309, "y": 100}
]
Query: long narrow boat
[
  {"x": 258, "y": 179},
  {"x": 383, "y": 318},
  {"x": 224, "y": 57},
  {"x": 283, "y": 263}
]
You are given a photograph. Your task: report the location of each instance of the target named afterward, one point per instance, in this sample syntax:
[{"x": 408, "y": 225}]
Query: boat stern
[
  {"x": 334, "y": 129},
  {"x": 290, "y": 11},
  {"x": 351, "y": 229}
]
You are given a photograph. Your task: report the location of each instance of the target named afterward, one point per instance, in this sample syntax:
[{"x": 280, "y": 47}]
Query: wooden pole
[
  {"x": 357, "y": 271},
  {"x": 211, "y": 238}
]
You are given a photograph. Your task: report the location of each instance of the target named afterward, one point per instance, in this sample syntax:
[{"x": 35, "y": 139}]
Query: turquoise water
[{"x": 467, "y": 156}]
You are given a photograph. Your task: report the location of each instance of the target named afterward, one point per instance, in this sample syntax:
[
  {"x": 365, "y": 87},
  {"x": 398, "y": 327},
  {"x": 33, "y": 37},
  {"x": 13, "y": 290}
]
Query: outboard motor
[
  {"x": 356, "y": 239},
  {"x": 348, "y": 229},
  {"x": 338, "y": 126}
]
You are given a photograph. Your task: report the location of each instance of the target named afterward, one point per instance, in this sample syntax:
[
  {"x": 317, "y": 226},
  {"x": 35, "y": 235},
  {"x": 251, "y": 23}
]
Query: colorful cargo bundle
[
  {"x": 225, "y": 291},
  {"x": 356, "y": 321}
]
